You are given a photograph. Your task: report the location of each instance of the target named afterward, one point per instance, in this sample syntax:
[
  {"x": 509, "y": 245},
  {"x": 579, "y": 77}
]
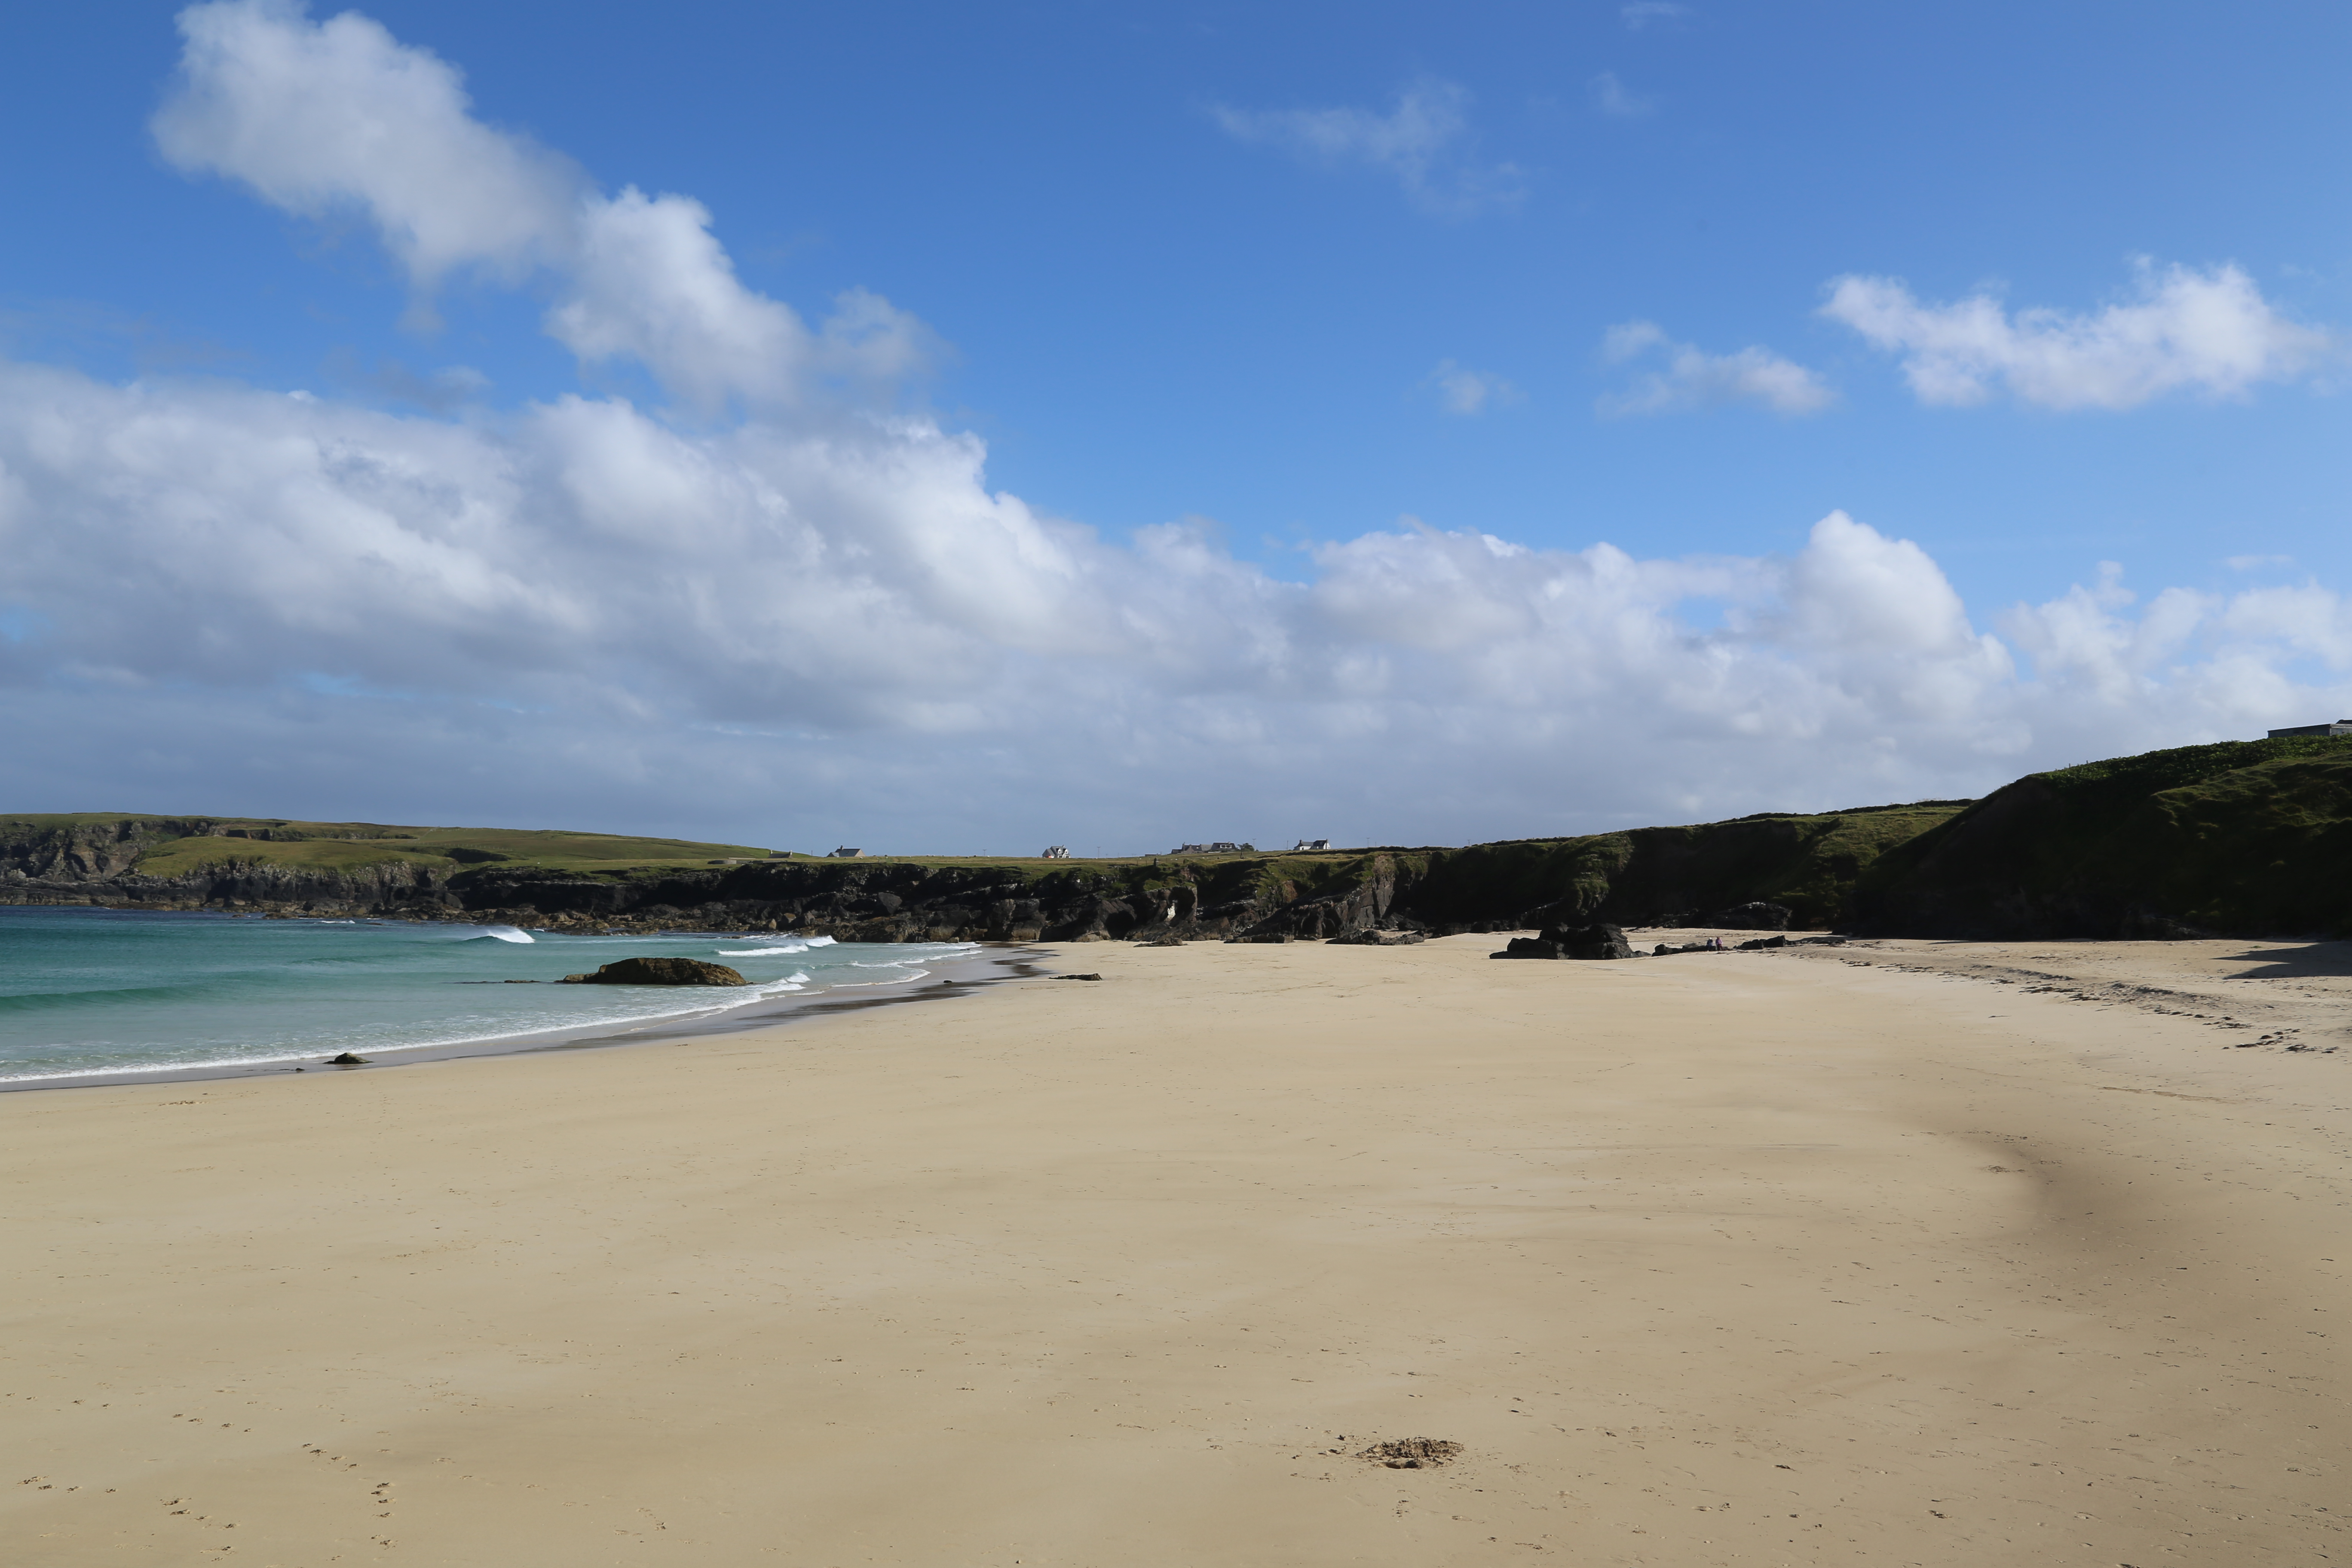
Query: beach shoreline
[
  {"x": 994, "y": 963},
  {"x": 1760, "y": 1258}
]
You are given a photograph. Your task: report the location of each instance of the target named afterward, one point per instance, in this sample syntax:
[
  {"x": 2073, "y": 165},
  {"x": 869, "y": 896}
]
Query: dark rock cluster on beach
[{"x": 1595, "y": 941}]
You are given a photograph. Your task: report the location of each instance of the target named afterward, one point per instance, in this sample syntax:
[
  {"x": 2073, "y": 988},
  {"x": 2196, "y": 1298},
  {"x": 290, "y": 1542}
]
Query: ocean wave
[
  {"x": 502, "y": 933},
  {"x": 282, "y": 1053},
  {"x": 33, "y": 1002},
  {"x": 761, "y": 952}
]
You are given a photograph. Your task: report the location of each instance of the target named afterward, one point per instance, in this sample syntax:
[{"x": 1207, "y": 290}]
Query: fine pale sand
[{"x": 1899, "y": 1254}]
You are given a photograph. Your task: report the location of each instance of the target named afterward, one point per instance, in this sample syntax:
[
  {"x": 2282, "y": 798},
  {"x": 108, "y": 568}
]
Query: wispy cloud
[
  {"x": 1691, "y": 378},
  {"x": 1641, "y": 13},
  {"x": 1424, "y": 142},
  {"x": 2210, "y": 331},
  {"x": 1610, "y": 96},
  {"x": 1462, "y": 390}
]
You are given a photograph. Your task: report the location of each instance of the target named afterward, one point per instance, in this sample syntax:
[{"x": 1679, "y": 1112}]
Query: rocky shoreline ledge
[
  {"x": 1373, "y": 898},
  {"x": 2240, "y": 837}
]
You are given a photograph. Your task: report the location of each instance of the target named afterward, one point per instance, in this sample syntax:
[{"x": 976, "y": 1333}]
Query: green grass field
[{"x": 342, "y": 846}]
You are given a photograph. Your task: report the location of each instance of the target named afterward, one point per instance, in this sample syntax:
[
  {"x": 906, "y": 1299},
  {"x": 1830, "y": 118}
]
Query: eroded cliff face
[
  {"x": 882, "y": 901},
  {"x": 87, "y": 852},
  {"x": 1649, "y": 876},
  {"x": 97, "y": 861}
]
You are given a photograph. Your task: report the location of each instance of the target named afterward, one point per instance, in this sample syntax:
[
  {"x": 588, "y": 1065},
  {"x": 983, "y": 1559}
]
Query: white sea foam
[
  {"x": 502, "y": 933},
  {"x": 789, "y": 945}
]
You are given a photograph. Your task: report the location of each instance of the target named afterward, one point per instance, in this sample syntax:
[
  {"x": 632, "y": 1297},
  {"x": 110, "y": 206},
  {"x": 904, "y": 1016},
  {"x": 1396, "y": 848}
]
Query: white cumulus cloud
[
  {"x": 325, "y": 117},
  {"x": 836, "y": 624},
  {"x": 1424, "y": 142},
  {"x": 2209, "y": 331},
  {"x": 1690, "y": 378}
]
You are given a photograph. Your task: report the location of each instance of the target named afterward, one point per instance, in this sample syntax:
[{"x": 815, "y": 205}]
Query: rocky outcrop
[
  {"x": 660, "y": 972},
  {"x": 1596, "y": 940},
  {"x": 67, "y": 853}
]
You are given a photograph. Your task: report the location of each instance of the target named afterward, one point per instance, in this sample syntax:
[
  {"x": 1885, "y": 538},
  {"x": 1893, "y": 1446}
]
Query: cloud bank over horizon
[{"x": 783, "y": 611}]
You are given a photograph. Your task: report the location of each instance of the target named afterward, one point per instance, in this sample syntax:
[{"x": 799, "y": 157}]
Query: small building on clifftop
[{"x": 2341, "y": 726}]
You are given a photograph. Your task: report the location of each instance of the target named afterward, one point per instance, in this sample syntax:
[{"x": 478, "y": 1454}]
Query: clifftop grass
[
  {"x": 1635, "y": 877},
  {"x": 2244, "y": 836},
  {"x": 176, "y": 845}
]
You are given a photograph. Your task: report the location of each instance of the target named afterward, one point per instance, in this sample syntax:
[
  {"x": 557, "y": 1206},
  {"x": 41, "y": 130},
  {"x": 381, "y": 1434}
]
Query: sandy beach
[{"x": 1891, "y": 1254}]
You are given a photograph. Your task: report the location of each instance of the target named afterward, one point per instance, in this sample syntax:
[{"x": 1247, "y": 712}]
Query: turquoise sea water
[{"x": 86, "y": 991}]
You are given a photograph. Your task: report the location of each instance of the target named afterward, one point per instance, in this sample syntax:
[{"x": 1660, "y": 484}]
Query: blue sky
[{"x": 1291, "y": 278}]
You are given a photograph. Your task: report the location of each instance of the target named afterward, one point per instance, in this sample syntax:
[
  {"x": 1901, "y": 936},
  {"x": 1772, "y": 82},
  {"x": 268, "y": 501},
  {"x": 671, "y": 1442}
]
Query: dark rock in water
[
  {"x": 1751, "y": 917},
  {"x": 347, "y": 1060},
  {"x": 661, "y": 971}
]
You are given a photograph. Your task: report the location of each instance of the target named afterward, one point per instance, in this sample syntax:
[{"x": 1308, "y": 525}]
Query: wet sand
[{"x": 1840, "y": 1256}]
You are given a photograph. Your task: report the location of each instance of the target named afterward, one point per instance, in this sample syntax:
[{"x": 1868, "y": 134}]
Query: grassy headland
[{"x": 2252, "y": 837}]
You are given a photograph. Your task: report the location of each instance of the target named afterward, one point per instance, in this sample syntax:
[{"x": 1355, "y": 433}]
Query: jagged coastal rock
[
  {"x": 660, "y": 972},
  {"x": 1596, "y": 940}
]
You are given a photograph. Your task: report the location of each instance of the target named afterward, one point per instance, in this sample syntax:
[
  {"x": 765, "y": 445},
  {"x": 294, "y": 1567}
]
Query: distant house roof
[
  {"x": 1222, "y": 847},
  {"x": 847, "y": 854},
  {"x": 1311, "y": 844},
  {"x": 1057, "y": 852},
  {"x": 2341, "y": 726}
]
